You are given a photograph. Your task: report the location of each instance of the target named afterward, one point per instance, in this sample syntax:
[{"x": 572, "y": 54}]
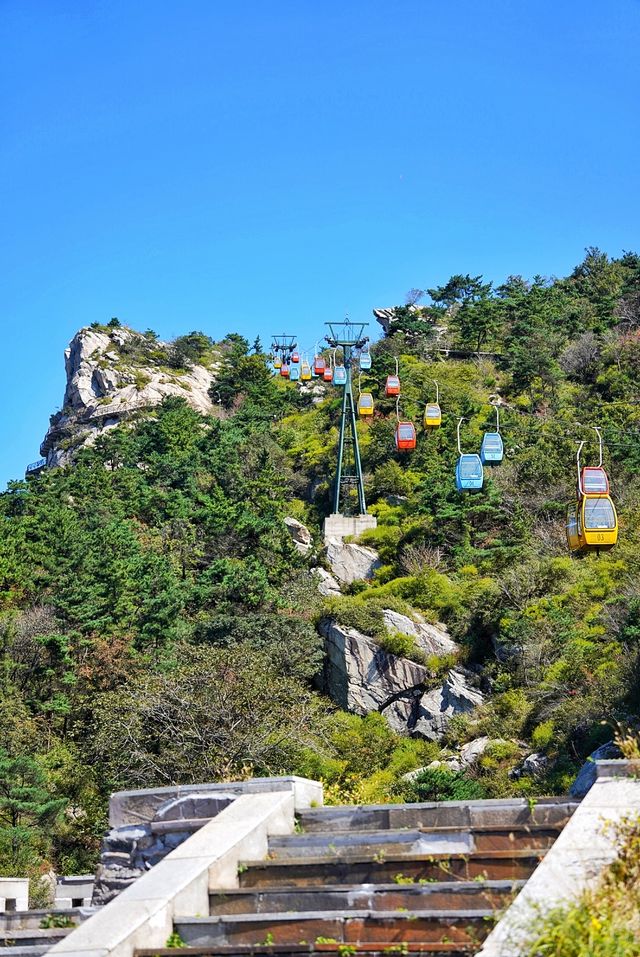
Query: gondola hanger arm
[
  {"x": 580, "y": 447},
  {"x": 597, "y": 431}
]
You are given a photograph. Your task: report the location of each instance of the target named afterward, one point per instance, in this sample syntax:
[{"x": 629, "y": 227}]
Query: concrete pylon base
[{"x": 339, "y": 526}]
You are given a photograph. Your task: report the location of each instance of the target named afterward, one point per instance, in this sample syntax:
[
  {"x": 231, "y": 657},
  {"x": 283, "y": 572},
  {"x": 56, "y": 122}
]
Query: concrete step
[
  {"x": 32, "y": 937},
  {"x": 389, "y": 927},
  {"x": 32, "y": 919},
  {"x": 25, "y": 951},
  {"x": 448, "y": 895},
  {"x": 386, "y": 869},
  {"x": 413, "y": 841},
  {"x": 501, "y": 812},
  {"x": 370, "y": 949}
]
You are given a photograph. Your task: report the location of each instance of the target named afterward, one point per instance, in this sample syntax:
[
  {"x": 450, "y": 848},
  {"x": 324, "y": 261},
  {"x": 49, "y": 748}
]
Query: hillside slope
[{"x": 159, "y": 624}]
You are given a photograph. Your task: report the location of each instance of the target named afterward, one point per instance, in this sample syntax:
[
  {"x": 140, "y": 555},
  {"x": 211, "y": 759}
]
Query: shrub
[
  {"x": 542, "y": 735},
  {"x": 442, "y": 784},
  {"x": 404, "y": 646}
]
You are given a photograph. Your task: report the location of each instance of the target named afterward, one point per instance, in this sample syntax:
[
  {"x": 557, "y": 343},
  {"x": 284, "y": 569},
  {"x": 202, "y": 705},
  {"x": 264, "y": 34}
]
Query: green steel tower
[{"x": 348, "y": 481}]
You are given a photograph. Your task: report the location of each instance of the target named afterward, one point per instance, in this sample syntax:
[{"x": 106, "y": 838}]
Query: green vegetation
[{"x": 158, "y": 625}]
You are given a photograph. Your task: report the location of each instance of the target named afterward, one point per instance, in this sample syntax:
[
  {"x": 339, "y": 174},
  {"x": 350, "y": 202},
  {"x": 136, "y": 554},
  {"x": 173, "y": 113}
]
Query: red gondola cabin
[
  {"x": 392, "y": 386},
  {"x": 594, "y": 481},
  {"x": 319, "y": 365},
  {"x": 284, "y": 370},
  {"x": 295, "y": 357},
  {"x": 405, "y": 436}
]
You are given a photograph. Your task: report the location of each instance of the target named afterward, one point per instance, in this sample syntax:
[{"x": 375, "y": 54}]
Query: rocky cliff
[{"x": 113, "y": 374}]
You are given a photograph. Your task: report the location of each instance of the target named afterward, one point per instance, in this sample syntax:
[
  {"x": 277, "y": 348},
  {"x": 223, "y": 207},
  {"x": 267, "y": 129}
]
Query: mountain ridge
[{"x": 113, "y": 373}]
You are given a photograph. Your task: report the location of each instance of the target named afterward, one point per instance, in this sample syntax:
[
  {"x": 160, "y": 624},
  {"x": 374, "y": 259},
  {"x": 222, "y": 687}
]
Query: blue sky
[{"x": 260, "y": 166}]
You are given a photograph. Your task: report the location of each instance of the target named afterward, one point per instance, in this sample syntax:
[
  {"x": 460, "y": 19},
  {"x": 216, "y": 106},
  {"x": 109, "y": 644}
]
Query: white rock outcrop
[
  {"x": 350, "y": 562},
  {"x": 300, "y": 535},
  {"x": 431, "y": 639},
  {"x": 104, "y": 386}
]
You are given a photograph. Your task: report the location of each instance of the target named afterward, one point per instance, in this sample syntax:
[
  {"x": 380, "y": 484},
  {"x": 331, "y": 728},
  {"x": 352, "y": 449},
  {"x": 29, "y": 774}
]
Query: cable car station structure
[{"x": 348, "y": 487}]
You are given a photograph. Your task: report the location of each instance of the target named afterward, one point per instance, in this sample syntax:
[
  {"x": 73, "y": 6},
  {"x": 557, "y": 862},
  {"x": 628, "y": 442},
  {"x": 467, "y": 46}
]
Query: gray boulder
[
  {"x": 350, "y": 562},
  {"x": 533, "y": 765},
  {"x": 466, "y": 757},
  {"x": 327, "y": 584},
  {"x": 470, "y": 752},
  {"x": 587, "y": 774},
  {"x": 412, "y": 775},
  {"x": 300, "y": 535},
  {"x": 431, "y": 639},
  {"x": 436, "y": 708}
]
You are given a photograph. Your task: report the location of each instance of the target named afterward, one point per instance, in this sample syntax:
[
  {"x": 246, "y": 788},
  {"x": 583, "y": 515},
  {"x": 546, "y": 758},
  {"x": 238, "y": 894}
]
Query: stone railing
[
  {"x": 178, "y": 885},
  {"x": 575, "y": 862},
  {"x": 147, "y": 825}
]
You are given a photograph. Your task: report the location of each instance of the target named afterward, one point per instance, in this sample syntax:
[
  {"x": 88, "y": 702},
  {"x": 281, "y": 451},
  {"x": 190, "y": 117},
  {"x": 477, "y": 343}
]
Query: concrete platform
[{"x": 340, "y": 526}]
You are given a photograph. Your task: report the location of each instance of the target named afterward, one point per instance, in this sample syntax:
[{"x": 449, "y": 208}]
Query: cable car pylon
[{"x": 350, "y": 338}]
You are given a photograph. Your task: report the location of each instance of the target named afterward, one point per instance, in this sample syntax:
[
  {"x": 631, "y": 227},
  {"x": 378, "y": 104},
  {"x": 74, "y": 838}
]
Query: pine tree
[{"x": 27, "y": 811}]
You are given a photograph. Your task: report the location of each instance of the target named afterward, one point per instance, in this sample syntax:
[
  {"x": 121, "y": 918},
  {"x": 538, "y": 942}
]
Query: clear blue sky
[{"x": 258, "y": 166}]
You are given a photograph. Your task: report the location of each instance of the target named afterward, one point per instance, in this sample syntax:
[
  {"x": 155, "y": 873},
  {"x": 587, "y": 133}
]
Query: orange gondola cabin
[
  {"x": 405, "y": 436},
  {"x": 392, "y": 385}
]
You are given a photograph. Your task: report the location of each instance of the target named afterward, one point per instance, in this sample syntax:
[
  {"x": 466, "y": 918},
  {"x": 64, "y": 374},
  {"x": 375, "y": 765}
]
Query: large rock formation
[
  {"x": 111, "y": 375},
  {"x": 350, "y": 562},
  {"x": 362, "y": 677},
  {"x": 456, "y": 696}
]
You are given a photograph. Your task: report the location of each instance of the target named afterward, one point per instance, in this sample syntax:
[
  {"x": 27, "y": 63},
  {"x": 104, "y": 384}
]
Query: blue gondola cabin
[
  {"x": 492, "y": 448},
  {"x": 469, "y": 473}
]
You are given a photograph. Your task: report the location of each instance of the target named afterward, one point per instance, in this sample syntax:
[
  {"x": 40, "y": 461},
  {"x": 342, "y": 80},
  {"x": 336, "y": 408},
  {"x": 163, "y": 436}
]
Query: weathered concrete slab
[
  {"x": 339, "y": 526},
  {"x": 140, "y": 807},
  {"x": 497, "y": 811},
  {"x": 14, "y": 893},
  {"x": 424, "y": 897}
]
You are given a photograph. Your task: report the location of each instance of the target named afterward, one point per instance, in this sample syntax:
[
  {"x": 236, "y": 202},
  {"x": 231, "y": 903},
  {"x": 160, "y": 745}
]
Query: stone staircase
[{"x": 389, "y": 879}]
